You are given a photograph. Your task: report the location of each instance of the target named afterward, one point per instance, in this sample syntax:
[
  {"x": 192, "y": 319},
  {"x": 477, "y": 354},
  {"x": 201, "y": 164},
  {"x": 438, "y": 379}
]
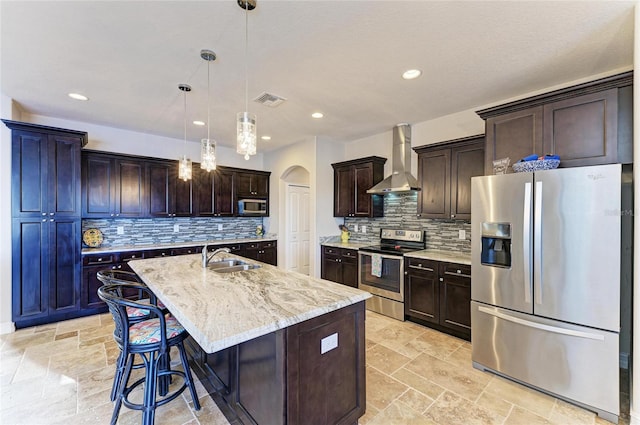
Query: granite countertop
[
  {"x": 348, "y": 245},
  {"x": 127, "y": 248},
  {"x": 220, "y": 310},
  {"x": 441, "y": 255}
]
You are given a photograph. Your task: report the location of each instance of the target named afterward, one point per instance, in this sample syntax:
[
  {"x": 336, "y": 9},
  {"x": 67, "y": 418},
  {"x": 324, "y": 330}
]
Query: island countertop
[{"x": 220, "y": 310}]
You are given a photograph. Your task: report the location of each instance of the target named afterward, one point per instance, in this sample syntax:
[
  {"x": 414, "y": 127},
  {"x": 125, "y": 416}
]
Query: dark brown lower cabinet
[
  {"x": 340, "y": 265},
  {"x": 266, "y": 252},
  {"x": 438, "y": 295},
  {"x": 285, "y": 378}
]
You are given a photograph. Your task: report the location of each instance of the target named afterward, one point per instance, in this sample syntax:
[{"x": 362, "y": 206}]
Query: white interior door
[{"x": 298, "y": 228}]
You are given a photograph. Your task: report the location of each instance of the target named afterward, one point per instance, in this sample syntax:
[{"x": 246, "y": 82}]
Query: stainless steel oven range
[{"x": 382, "y": 270}]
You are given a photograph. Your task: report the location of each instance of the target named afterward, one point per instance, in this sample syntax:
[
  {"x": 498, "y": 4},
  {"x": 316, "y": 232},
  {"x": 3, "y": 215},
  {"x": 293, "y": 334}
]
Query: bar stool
[
  {"x": 110, "y": 277},
  {"x": 151, "y": 339}
]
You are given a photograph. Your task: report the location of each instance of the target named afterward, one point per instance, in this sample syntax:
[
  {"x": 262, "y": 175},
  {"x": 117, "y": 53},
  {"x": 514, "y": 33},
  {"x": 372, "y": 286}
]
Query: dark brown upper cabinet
[
  {"x": 351, "y": 180},
  {"x": 587, "y": 124},
  {"x": 215, "y": 193},
  {"x": 45, "y": 171},
  {"x": 113, "y": 186},
  {"x": 253, "y": 184},
  {"x": 169, "y": 196},
  {"x": 444, "y": 172}
]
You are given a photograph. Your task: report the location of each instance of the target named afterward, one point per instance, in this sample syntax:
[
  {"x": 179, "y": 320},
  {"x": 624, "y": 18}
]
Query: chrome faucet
[{"x": 206, "y": 258}]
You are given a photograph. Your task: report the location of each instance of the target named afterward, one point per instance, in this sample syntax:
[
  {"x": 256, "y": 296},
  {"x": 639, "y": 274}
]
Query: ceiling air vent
[{"x": 270, "y": 100}]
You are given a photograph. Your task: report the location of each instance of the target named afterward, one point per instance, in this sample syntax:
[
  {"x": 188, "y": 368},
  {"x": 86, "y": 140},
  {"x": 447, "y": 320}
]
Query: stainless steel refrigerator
[{"x": 545, "y": 286}]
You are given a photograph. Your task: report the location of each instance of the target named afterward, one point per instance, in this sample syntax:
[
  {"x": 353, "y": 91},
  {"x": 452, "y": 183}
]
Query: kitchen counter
[
  {"x": 126, "y": 248},
  {"x": 441, "y": 255},
  {"x": 261, "y": 338},
  {"x": 220, "y": 310},
  {"x": 347, "y": 245}
]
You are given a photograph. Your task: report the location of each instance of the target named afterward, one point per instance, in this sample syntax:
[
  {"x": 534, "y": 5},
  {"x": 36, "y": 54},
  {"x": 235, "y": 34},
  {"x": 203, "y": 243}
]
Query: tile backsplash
[
  {"x": 151, "y": 231},
  {"x": 400, "y": 211}
]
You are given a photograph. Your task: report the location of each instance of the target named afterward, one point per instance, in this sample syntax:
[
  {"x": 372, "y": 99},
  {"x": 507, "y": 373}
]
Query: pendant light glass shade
[
  {"x": 208, "y": 154},
  {"x": 184, "y": 166},
  {"x": 246, "y": 130},
  {"x": 246, "y": 137},
  {"x": 208, "y": 145},
  {"x": 185, "y": 169}
]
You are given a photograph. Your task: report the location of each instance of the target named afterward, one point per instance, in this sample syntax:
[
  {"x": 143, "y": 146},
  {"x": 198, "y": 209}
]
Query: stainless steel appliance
[
  {"x": 545, "y": 288},
  {"x": 382, "y": 270},
  {"x": 252, "y": 207}
]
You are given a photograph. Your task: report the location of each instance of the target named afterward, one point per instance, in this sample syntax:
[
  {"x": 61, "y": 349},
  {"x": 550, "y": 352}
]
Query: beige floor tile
[
  {"x": 416, "y": 400},
  {"x": 95, "y": 381},
  {"x": 459, "y": 381},
  {"x": 31, "y": 367},
  {"x": 418, "y": 383},
  {"x": 399, "y": 413},
  {"x": 78, "y": 362},
  {"x": 567, "y": 414},
  {"x": 368, "y": 416},
  {"x": 436, "y": 344},
  {"x": 382, "y": 389},
  {"x": 374, "y": 321},
  {"x": 96, "y": 332},
  {"x": 209, "y": 413},
  {"x": 78, "y": 324},
  {"x": 20, "y": 340},
  {"x": 369, "y": 344},
  {"x": 520, "y": 416},
  {"x": 534, "y": 401},
  {"x": 394, "y": 335},
  {"x": 453, "y": 409},
  {"x": 495, "y": 404},
  {"x": 385, "y": 359},
  {"x": 22, "y": 392}
]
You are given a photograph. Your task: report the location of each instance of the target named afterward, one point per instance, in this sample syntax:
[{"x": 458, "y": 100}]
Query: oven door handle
[{"x": 393, "y": 257}]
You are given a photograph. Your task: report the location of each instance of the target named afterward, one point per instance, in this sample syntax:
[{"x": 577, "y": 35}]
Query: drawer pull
[
  {"x": 419, "y": 267},
  {"x": 459, "y": 273}
]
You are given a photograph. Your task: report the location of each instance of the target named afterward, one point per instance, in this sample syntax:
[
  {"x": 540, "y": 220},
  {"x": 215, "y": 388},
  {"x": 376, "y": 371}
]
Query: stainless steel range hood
[{"x": 400, "y": 179}]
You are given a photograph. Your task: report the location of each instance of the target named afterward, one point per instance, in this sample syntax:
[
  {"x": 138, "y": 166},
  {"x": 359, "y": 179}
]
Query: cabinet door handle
[
  {"x": 459, "y": 273},
  {"x": 51, "y": 219},
  {"x": 51, "y": 213},
  {"x": 44, "y": 220},
  {"x": 112, "y": 215},
  {"x": 453, "y": 215},
  {"x": 441, "y": 279},
  {"x": 44, "y": 213}
]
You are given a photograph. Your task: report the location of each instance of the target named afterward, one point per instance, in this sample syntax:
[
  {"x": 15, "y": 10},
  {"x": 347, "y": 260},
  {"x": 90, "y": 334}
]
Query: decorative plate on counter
[{"x": 92, "y": 238}]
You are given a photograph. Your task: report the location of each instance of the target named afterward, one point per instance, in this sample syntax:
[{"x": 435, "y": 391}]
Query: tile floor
[{"x": 62, "y": 374}]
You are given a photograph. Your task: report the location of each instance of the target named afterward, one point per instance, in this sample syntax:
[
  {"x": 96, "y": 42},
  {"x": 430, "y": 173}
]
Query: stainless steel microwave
[{"x": 252, "y": 206}]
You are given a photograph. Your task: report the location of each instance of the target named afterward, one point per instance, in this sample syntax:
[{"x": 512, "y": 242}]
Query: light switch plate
[
  {"x": 355, "y": 227},
  {"x": 328, "y": 343},
  {"x": 176, "y": 228},
  {"x": 120, "y": 230},
  {"x": 462, "y": 234}
]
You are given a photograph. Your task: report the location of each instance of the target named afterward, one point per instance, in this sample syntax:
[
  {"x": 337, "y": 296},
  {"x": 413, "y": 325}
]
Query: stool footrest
[{"x": 164, "y": 400}]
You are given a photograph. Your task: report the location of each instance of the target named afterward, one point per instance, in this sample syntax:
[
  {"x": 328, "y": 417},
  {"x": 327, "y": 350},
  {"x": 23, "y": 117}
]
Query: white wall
[{"x": 117, "y": 140}]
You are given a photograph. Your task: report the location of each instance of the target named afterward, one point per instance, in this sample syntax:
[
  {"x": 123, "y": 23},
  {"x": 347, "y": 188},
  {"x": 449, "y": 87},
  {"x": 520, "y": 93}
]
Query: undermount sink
[{"x": 231, "y": 265}]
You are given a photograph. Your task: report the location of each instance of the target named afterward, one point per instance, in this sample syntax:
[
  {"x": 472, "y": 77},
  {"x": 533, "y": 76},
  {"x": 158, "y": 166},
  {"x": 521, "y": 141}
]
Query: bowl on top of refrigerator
[{"x": 534, "y": 163}]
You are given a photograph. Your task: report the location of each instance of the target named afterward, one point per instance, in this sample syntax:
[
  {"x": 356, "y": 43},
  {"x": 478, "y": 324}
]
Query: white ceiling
[{"x": 343, "y": 58}]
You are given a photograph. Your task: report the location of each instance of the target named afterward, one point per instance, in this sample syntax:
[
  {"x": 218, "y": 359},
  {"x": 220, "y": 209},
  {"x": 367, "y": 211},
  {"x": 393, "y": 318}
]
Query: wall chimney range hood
[{"x": 400, "y": 179}]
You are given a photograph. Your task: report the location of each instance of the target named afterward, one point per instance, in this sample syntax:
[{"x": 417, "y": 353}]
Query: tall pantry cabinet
[{"x": 46, "y": 223}]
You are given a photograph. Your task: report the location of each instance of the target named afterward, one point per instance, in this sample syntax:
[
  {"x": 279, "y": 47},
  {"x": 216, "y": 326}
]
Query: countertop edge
[{"x": 128, "y": 248}]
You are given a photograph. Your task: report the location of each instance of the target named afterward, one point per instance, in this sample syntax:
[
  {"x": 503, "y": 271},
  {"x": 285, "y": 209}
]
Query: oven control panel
[{"x": 402, "y": 235}]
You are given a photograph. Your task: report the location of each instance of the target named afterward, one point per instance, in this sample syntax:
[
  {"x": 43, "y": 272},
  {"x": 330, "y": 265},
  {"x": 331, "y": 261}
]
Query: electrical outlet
[
  {"x": 120, "y": 230},
  {"x": 462, "y": 234},
  {"x": 364, "y": 229},
  {"x": 355, "y": 227},
  {"x": 219, "y": 227},
  {"x": 176, "y": 228}
]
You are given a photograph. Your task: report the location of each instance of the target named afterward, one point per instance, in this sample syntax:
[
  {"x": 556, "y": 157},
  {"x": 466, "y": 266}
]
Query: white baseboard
[
  {"x": 624, "y": 360},
  {"x": 7, "y": 328},
  {"x": 634, "y": 418}
]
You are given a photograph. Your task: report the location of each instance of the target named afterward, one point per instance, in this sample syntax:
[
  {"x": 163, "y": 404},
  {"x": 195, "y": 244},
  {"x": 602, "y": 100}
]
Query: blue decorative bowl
[{"x": 538, "y": 165}]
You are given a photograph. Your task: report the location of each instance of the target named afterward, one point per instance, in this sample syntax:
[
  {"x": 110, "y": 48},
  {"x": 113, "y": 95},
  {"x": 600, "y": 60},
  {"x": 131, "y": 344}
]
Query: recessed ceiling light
[
  {"x": 266, "y": 137},
  {"x": 78, "y": 96},
  {"x": 317, "y": 115},
  {"x": 411, "y": 74},
  {"x": 198, "y": 122}
]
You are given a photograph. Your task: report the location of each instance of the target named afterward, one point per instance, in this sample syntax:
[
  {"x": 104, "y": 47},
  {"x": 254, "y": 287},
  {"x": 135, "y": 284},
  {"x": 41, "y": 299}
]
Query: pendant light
[
  {"x": 246, "y": 122},
  {"x": 208, "y": 145},
  {"x": 184, "y": 167}
]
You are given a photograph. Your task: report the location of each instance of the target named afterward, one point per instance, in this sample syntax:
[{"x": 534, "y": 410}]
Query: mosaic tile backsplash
[
  {"x": 400, "y": 211},
  {"x": 151, "y": 231}
]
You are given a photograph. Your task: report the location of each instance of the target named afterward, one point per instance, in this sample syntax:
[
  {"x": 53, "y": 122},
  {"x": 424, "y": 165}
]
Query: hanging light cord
[
  {"x": 246, "y": 55},
  {"x": 185, "y": 119},
  {"x": 208, "y": 99}
]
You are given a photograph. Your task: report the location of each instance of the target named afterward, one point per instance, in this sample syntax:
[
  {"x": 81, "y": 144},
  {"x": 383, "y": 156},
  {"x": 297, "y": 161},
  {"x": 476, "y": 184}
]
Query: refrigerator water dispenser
[{"x": 496, "y": 244}]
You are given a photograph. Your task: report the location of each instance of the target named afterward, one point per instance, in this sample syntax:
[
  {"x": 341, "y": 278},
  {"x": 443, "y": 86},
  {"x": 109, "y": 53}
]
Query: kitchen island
[{"x": 270, "y": 346}]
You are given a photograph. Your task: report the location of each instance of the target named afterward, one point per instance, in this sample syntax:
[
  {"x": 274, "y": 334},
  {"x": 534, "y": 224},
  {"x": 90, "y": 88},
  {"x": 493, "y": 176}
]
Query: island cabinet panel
[
  {"x": 444, "y": 172},
  {"x": 586, "y": 124},
  {"x": 292, "y": 376},
  {"x": 351, "y": 180},
  {"x": 266, "y": 252},
  {"x": 438, "y": 295}
]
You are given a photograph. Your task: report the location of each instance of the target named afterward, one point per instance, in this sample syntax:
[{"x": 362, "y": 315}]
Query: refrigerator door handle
[
  {"x": 537, "y": 243},
  {"x": 540, "y": 326},
  {"x": 526, "y": 242}
]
